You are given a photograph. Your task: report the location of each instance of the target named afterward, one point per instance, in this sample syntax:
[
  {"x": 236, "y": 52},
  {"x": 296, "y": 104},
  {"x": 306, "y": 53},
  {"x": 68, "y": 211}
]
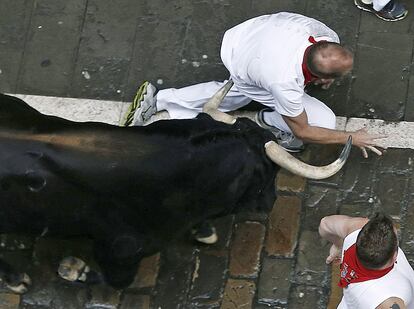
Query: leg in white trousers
[
  {"x": 319, "y": 115},
  {"x": 188, "y": 102},
  {"x": 379, "y": 4}
]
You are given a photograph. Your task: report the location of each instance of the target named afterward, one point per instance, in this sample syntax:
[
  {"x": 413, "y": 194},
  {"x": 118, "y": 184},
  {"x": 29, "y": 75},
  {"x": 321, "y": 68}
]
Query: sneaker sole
[
  {"x": 380, "y": 17},
  {"x": 208, "y": 240},
  {"x": 392, "y": 20},
  {"x": 139, "y": 96}
]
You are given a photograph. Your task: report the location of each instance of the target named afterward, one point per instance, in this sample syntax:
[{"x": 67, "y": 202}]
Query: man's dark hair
[
  {"x": 376, "y": 242},
  {"x": 328, "y": 59}
]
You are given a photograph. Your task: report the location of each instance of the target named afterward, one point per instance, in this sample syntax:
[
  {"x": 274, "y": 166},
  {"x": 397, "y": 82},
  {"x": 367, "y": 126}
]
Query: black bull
[{"x": 131, "y": 189}]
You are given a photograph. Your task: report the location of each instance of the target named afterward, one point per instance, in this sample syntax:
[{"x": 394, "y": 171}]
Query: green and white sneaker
[{"x": 143, "y": 106}]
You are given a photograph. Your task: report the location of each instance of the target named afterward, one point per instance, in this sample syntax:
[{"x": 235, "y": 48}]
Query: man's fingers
[
  {"x": 372, "y": 148},
  {"x": 364, "y": 152},
  {"x": 375, "y": 150}
]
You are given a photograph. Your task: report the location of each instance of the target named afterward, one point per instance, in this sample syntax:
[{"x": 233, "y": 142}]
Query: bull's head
[{"x": 276, "y": 153}]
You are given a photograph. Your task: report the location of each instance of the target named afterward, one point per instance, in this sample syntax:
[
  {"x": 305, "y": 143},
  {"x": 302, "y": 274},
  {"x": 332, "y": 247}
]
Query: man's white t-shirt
[
  {"x": 264, "y": 56},
  {"x": 399, "y": 282}
]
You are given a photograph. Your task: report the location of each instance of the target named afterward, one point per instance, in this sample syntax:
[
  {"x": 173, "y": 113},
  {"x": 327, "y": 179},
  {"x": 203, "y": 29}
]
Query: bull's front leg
[
  {"x": 119, "y": 257},
  {"x": 205, "y": 233},
  {"x": 76, "y": 270},
  {"x": 13, "y": 280}
]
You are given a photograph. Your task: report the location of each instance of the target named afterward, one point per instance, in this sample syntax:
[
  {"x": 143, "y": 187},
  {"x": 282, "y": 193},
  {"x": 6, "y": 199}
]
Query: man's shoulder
[{"x": 395, "y": 286}]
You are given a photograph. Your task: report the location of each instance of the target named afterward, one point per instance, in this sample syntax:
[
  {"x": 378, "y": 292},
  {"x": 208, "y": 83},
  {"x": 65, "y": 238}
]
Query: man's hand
[
  {"x": 364, "y": 140},
  {"x": 334, "y": 254},
  {"x": 324, "y": 82}
]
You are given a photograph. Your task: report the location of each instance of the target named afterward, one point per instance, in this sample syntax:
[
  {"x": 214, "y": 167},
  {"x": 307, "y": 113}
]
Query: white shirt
[
  {"x": 399, "y": 282},
  {"x": 264, "y": 56}
]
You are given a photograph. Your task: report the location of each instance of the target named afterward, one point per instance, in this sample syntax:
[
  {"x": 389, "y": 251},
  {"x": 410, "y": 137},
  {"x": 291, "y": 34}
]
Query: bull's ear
[
  {"x": 211, "y": 107},
  {"x": 284, "y": 159}
]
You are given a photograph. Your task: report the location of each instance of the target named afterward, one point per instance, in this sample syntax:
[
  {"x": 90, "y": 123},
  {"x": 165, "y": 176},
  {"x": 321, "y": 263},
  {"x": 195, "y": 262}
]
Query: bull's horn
[
  {"x": 211, "y": 107},
  {"x": 282, "y": 158}
]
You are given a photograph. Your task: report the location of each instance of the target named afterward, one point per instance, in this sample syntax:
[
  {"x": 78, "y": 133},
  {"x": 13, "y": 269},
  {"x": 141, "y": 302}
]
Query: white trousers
[
  {"x": 188, "y": 102},
  {"x": 378, "y": 4}
]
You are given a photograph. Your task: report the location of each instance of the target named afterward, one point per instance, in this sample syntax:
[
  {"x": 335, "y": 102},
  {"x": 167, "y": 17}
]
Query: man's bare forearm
[
  {"x": 335, "y": 228},
  {"x": 328, "y": 230},
  {"x": 323, "y": 136},
  {"x": 312, "y": 134}
]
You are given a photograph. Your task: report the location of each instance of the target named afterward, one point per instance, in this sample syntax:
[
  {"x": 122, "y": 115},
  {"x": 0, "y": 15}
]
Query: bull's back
[{"x": 64, "y": 174}]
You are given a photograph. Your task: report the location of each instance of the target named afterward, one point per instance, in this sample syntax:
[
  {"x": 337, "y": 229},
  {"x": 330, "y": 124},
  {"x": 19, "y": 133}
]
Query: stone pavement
[{"x": 104, "y": 49}]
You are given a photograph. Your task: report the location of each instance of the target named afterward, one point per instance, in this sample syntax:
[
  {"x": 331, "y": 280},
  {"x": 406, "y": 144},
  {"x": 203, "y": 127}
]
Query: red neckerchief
[
  {"x": 309, "y": 77},
  {"x": 352, "y": 270}
]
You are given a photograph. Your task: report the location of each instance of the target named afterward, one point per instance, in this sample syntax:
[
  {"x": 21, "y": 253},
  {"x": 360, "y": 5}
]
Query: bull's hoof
[
  {"x": 73, "y": 269},
  {"x": 210, "y": 240},
  {"x": 20, "y": 285},
  {"x": 206, "y": 234}
]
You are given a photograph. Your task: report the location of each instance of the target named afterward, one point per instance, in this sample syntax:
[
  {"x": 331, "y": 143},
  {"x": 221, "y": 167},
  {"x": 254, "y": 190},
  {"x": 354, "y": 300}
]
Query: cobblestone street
[{"x": 104, "y": 49}]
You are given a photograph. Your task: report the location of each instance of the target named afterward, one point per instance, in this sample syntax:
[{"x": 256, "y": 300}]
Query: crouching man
[{"x": 374, "y": 271}]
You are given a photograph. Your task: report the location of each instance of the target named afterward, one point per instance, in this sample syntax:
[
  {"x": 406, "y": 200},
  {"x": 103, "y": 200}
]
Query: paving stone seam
[
  {"x": 76, "y": 57},
  {"x": 255, "y": 279},
  {"x": 261, "y": 259},
  {"x": 375, "y": 181},
  {"x": 325, "y": 286},
  {"x": 296, "y": 249},
  {"x": 20, "y": 69},
  {"x": 155, "y": 290},
  {"x": 405, "y": 208},
  {"x": 227, "y": 272},
  {"x": 407, "y": 91},
  {"x": 344, "y": 193}
]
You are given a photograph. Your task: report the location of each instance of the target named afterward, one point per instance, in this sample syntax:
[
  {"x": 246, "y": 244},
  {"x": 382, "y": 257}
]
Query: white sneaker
[{"x": 285, "y": 139}]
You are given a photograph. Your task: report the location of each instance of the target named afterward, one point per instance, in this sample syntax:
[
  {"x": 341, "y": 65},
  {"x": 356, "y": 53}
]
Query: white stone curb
[{"x": 80, "y": 110}]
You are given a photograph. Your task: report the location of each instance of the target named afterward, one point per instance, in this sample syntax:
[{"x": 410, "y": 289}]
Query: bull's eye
[{"x": 34, "y": 182}]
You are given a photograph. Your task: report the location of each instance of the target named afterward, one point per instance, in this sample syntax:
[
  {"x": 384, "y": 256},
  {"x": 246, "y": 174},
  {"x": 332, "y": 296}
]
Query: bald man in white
[{"x": 271, "y": 59}]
